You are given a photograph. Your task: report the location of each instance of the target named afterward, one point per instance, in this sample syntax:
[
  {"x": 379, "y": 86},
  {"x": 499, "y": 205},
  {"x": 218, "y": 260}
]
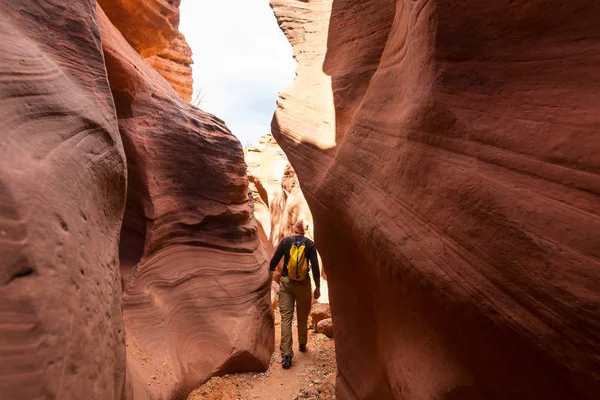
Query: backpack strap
[{"x": 300, "y": 241}]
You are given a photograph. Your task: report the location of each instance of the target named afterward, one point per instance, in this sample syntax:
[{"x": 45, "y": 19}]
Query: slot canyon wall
[
  {"x": 450, "y": 156},
  {"x": 62, "y": 197},
  {"x": 98, "y": 149}
]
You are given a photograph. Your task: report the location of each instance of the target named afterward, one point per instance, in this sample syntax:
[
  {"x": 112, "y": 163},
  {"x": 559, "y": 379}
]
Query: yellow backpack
[{"x": 298, "y": 264}]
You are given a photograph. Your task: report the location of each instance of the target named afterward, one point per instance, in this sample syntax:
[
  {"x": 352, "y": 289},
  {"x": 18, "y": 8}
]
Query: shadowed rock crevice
[
  {"x": 135, "y": 222},
  {"x": 133, "y": 233}
]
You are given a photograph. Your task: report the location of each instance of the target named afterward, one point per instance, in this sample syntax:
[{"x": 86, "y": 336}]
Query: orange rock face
[
  {"x": 196, "y": 285},
  {"x": 452, "y": 167},
  {"x": 151, "y": 28},
  {"x": 148, "y": 25},
  {"x": 319, "y": 312},
  {"x": 62, "y": 196},
  {"x": 175, "y": 65}
]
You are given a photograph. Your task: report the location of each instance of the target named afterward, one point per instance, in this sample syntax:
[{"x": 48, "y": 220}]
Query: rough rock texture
[
  {"x": 312, "y": 117},
  {"x": 278, "y": 199},
  {"x": 151, "y": 28},
  {"x": 457, "y": 183},
  {"x": 319, "y": 312},
  {"x": 275, "y": 294},
  {"x": 148, "y": 25},
  {"x": 196, "y": 286},
  {"x": 62, "y": 196},
  {"x": 266, "y": 165},
  {"x": 289, "y": 206},
  {"x": 325, "y": 327},
  {"x": 175, "y": 65},
  {"x": 196, "y": 283}
]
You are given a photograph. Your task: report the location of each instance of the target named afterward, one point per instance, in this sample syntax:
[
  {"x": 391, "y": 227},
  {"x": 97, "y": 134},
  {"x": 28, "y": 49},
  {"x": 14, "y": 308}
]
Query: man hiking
[{"x": 297, "y": 251}]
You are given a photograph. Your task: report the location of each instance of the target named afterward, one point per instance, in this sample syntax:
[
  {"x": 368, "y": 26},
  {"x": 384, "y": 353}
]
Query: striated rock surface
[
  {"x": 278, "y": 199},
  {"x": 175, "y": 65},
  {"x": 306, "y": 25},
  {"x": 151, "y": 28},
  {"x": 266, "y": 165},
  {"x": 193, "y": 282},
  {"x": 196, "y": 284},
  {"x": 289, "y": 206},
  {"x": 148, "y": 25},
  {"x": 62, "y": 196},
  {"x": 452, "y": 165}
]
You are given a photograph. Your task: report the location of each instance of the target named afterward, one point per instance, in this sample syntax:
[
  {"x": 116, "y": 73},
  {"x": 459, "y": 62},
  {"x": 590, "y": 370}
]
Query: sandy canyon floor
[{"x": 312, "y": 375}]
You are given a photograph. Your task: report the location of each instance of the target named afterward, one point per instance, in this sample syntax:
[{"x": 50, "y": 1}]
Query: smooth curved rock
[
  {"x": 458, "y": 195},
  {"x": 266, "y": 165},
  {"x": 288, "y": 207},
  {"x": 319, "y": 312},
  {"x": 62, "y": 197},
  {"x": 325, "y": 327},
  {"x": 261, "y": 212},
  {"x": 197, "y": 295},
  {"x": 312, "y": 120},
  {"x": 175, "y": 65},
  {"x": 148, "y": 25},
  {"x": 278, "y": 199}
]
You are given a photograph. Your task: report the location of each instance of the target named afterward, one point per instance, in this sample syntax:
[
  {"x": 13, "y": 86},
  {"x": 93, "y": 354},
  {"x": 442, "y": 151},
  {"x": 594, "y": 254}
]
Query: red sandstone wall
[
  {"x": 97, "y": 149},
  {"x": 62, "y": 196},
  {"x": 196, "y": 291},
  {"x": 451, "y": 163}
]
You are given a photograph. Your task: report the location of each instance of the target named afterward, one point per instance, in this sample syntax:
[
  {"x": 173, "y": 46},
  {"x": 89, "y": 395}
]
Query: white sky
[{"x": 241, "y": 61}]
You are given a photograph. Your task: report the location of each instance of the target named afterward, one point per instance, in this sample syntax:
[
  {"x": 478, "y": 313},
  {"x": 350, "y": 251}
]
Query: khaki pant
[{"x": 300, "y": 293}]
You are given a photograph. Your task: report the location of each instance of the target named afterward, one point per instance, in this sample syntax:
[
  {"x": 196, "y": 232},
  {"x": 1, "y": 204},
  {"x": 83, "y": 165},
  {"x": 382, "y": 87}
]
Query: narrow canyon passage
[
  {"x": 444, "y": 156},
  {"x": 311, "y": 377}
]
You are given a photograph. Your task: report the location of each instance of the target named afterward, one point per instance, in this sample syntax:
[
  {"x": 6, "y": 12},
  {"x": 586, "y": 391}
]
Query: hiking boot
[
  {"x": 286, "y": 362},
  {"x": 302, "y": 348}
]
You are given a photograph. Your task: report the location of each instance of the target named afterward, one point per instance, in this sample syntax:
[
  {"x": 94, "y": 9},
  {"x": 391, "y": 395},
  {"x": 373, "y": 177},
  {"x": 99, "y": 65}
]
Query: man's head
[{"x": 301, "y": 227}]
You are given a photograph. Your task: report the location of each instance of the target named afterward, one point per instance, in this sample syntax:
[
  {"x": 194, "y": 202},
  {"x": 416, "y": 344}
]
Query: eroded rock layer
[
  {"x": 288, "y": 207},
  {"x": 193, "y": 281},
  {"x": 175, "y": 65},
  {"x": 453, "y": 168},
  {"x": 62, "y": 196},
  {"x": 196, "y": 283},
  {"x": 266, "y": 165},
  {"x": 278, "y": 199},
  {"x": 148, "y": 25}
]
